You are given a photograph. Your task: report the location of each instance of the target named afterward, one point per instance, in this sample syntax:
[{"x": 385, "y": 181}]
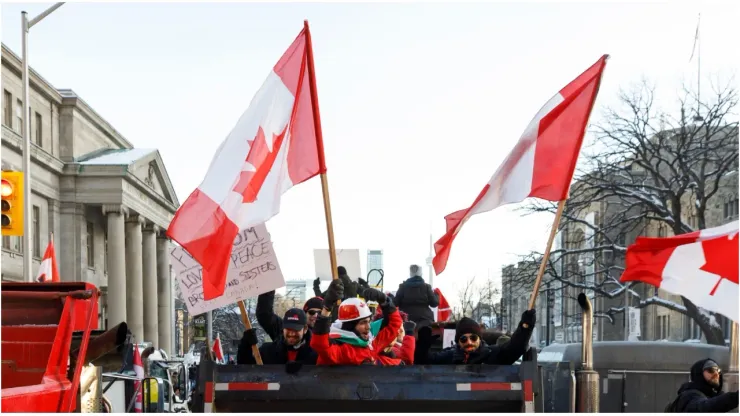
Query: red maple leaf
[
  {"x": 259, "y": 156},
  {"x": 721, "y": 255}
]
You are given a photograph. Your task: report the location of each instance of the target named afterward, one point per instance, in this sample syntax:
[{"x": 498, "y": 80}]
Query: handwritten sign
[{"x": 253, "y": 270}]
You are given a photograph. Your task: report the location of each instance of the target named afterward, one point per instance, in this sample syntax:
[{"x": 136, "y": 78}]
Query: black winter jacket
[
  {"x": 275, "y": 352},
  {"x": 505, "y": 354},
  {"x": 698, "y": 396},
  {"x": 415, "y": 297}
]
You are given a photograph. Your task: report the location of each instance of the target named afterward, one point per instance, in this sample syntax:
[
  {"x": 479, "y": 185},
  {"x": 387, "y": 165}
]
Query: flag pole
[
  {"x": 248, "y": 325},
  {"x": 546, "y": 256},
  {"x": 320, "y": 148}
]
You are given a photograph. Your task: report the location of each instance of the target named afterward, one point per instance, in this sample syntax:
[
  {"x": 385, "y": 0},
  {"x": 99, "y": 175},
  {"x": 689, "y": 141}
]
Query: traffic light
[{"x": 12, "y": 203}]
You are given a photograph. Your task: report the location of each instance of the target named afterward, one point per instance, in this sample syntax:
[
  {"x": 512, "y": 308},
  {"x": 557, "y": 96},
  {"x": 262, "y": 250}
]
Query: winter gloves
[
  {"x": 249, "y": 338},
  {"x": 373, "y": 295},
  {"x": 334, "y": 293},
  {"x": 363, "y": 284},
  {"x": 529, "y": 318}
]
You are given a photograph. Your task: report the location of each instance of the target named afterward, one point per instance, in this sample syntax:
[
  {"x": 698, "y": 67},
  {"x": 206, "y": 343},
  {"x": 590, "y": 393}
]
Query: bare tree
[
  {"x": 648, "y": 172},
  {"x": 468, "y": 296}
]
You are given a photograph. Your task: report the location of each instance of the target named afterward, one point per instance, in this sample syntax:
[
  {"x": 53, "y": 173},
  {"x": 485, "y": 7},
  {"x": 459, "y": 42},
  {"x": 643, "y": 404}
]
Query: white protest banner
[{"x": 253, "y": 270}]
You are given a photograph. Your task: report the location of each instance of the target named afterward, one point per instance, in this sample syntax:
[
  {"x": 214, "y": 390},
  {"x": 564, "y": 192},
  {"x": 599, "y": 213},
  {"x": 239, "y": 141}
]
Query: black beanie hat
[
  {"x": 466, "y": 326},
  {"x": 313, "y": 303}
]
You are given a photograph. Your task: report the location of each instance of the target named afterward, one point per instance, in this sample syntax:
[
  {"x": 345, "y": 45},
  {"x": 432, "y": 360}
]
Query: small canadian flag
[
  {"x": 217, "y": 350},
  {"x": 701, "y": 266},
  {"x": 48, "y": 270}
]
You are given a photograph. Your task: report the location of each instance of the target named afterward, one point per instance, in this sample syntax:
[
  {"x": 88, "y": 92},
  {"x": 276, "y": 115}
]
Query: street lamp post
[{"x": 26, "y": 25}]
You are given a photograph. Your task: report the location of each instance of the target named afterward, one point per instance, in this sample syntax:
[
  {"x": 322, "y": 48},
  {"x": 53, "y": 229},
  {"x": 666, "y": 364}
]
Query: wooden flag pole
[
  {"x": 248, "y": 325},
  {"x": 320, "y": 148},
  {"x": 546, "y": 257}
]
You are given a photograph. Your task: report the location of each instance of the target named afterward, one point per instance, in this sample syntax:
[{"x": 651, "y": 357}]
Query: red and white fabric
[
  {"x": 217, "y": 350},
  {"x": 701, "y": 266},
  {"x": 541, "y": 164},
  {"x": 273, "y": 147},
  {"x": 48, "y": 269},
  {"x": 443, "y": 312},
  {"x": 139, "y": 371}
]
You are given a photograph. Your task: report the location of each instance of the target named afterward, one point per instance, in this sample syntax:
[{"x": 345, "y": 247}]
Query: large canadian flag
[
  {"x": 48, "y": 270},
  {"x": 273, "y": 147},
  {"x": 542, "y": 162},
  {"x": 701, "y": 266}
]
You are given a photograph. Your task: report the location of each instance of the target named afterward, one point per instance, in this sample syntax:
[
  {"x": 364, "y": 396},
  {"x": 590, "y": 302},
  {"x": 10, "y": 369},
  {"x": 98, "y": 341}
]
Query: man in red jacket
[{"x": 351, "y": 343}]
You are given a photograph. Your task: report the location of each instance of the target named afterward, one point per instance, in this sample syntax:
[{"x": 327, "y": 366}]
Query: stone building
[{"x": 106, "y": 203}]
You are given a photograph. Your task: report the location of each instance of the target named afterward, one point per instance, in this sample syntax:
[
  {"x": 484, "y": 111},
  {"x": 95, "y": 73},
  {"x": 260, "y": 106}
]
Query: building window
[
  {"x": 90, "y": 246},
  {"x": 6, "y": 242},
  {"x": 664, "y": 326},
  {"x": 7, "y": 109},
  {"x": 36, "y": 232},
  {"x": 37, "y": 133},
  {"x": 730, "y": 208},
  {"x": 19, "y": 115},
  {"x": 13, "y": 243}
]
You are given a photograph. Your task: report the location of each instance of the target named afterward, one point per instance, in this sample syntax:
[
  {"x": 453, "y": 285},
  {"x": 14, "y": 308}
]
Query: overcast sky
[{"x": 419, "y": 103}]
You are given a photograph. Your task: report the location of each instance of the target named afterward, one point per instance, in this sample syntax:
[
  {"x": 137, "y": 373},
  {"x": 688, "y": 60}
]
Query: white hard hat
[{"x": 353, "y": 309}]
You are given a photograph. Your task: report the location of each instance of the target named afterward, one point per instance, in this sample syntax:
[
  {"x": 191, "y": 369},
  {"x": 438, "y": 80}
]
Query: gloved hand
[
  {"x": 408, "y": 328},
  {"x": 317, "y": 283},
  {"x": 374, "y": 295},
  {"x": 292, "y": 367},
  {"x": 363, "y": 283},
  {"x": 249, "y": 338},
  {"x": 334, "y": 293},
  {"x": 529, "y": 318}
]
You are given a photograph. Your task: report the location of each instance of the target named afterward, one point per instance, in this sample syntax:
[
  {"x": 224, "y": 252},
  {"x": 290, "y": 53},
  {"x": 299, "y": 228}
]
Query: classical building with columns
[{"x": 105, "y": 202}]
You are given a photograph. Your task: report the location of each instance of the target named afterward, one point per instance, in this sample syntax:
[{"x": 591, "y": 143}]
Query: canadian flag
[
  {"x": 217, "y": 350},
  {"x": 48, "y": 270},
  {"x": 273, "y": 147},
  {"x": 701, "y": 266},
  {"x": 542, "y": 162},
  {"x": 139, "y": 371},
  {"x": 443, "y": 312}
]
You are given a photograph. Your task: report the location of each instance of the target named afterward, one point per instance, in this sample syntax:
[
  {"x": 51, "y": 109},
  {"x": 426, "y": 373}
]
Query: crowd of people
[{"x": 398, "y": 332}]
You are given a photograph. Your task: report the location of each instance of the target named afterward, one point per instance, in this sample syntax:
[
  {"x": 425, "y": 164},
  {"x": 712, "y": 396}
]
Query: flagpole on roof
[{"x": 320, "y": 148}]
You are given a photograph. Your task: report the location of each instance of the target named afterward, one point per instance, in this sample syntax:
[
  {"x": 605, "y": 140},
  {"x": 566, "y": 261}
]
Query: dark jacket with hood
[
  {"x": 276, "y": 352},
  {"x": 505, "y": 354},
  {"x": 415, "y": 297},
  {"x": 698, "y": 396}
]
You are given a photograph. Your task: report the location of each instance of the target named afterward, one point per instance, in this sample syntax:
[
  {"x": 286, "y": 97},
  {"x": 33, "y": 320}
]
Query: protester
[
  {"x": 293, "y": 347},
  {"x": 703, "y": 393},
  {"x": 401, "y": 351},
  {"x": 351, "y": 339},
  {"x": 471, "y": 349},
  {"x": 312, "y": 307},
  {"x": 415, "y": 297}
]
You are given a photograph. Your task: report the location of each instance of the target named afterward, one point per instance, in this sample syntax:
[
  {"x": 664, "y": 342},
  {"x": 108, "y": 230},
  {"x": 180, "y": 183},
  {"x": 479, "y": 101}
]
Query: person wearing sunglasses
[
  {"x": 469, "y": 348},
  {"x": 703, "y": 393},
  {"x": 292, "y": 347},
  {"x": 313, "y": 307}
]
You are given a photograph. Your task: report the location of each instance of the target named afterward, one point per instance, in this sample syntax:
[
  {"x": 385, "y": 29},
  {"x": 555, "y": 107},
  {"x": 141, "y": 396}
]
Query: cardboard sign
[
  {"x": 253, "y": 270},
  {"x": 448, "y": 340},
  {"x": 349, "y": 258}
]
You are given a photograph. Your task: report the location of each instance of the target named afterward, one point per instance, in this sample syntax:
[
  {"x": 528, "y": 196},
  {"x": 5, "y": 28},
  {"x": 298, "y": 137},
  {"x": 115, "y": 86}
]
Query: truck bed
[{"x": 440, "y": 388}]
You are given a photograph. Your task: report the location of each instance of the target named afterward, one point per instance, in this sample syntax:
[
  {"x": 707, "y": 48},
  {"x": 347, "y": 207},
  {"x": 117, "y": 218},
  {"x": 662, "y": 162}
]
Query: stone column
[
  {"x": 116, "y": 294},
  {"x": 134, "y": 283},
  {"x": 164, "y": 295},
  {"x": 151, "y": 318}
]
